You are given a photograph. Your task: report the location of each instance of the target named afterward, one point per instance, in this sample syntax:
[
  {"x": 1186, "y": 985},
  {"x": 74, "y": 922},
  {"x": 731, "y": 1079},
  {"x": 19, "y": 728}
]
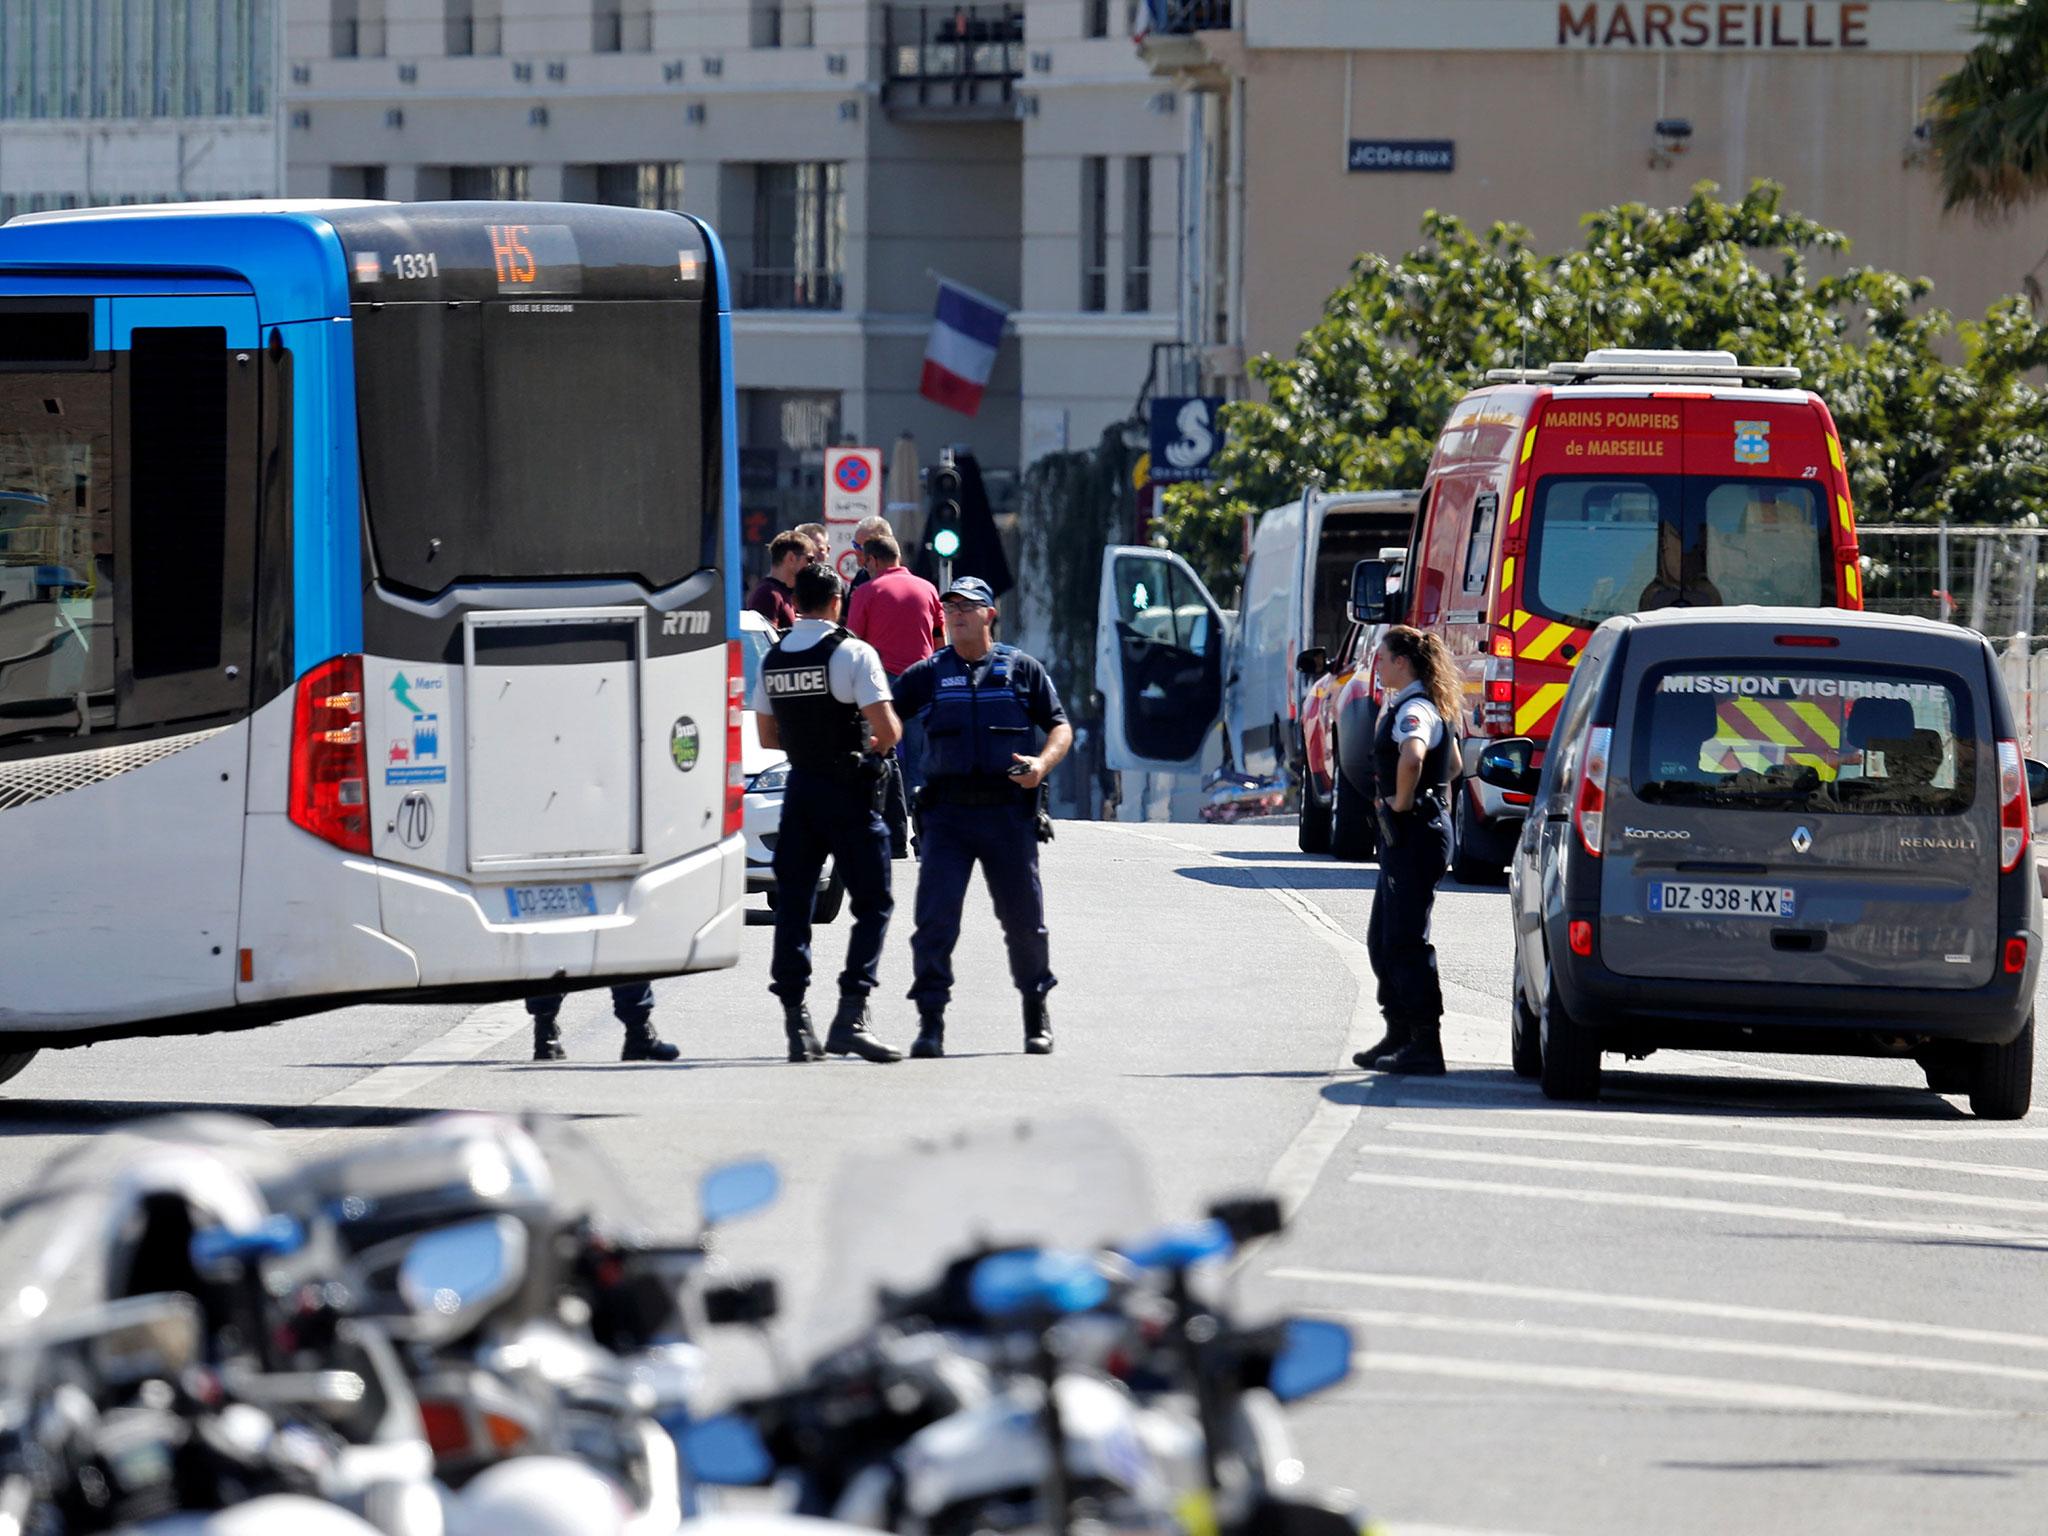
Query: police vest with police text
[
  {"x": 972, "y": 731},
  {"x": 1436, "y": 762},
  {"x": 820, "y": 733}
]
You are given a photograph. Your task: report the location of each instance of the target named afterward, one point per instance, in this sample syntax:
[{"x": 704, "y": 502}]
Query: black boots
[
  {"x": 849, "y": 1034},
  {"x": 643, "y": 1044},
  {"x": 803, "y": 1042},
  {"x": 1391, "y": 1044},
  {"x": 547, "y": 1041},
  {"x": 1422, "y": 1056},
  {"x": 1037, "y": 1027},
  {"x": 931, "y": 1035}
]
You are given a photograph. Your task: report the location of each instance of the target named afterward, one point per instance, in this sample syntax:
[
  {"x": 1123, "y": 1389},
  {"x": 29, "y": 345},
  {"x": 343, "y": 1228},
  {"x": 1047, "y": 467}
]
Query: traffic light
[{"x": 946, "y": 510}]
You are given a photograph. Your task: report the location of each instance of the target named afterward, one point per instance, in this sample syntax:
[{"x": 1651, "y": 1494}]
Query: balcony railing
[
  {"x": 950, "y": 58},
  {"x": 788, "y": 288},
  {"x": 1178, "y": 18}
]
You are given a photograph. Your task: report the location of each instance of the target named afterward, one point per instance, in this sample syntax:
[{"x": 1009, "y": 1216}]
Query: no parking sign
[{"x": 853, "y": 490}]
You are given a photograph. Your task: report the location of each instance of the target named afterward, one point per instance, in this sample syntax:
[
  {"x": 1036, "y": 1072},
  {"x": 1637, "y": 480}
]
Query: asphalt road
[{"x": 1740, "y": 1294}]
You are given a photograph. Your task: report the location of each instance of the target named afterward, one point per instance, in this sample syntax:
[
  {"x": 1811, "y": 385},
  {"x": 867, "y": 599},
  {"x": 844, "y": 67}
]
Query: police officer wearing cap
[
  {"x": 983, "y": 707},
  {"x": 1414, "y": 759},
  {"x": 823, "y": 699}
]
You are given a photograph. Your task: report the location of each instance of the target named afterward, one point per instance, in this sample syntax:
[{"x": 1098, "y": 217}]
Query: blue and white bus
[{"x": 391, "y": 650}]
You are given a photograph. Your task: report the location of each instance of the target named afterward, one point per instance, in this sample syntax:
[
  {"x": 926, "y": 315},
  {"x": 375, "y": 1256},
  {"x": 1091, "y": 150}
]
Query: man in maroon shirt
[
  {"x": 774, "y": 597},
  {"x": 900, "y": 615}
]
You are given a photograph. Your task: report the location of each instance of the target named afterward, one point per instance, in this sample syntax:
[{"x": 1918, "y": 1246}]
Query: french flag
[{"x": 961, "y": 351}]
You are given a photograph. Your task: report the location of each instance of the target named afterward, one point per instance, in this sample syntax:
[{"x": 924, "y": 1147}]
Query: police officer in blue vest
[
  {"x": 823, "y": 699},
  {"x": 983, "y": 706}
]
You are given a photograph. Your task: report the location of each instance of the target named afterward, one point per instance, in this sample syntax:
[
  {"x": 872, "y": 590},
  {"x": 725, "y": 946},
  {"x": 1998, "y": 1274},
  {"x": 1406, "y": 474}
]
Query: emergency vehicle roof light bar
[{"x": 1618, "y": 366}]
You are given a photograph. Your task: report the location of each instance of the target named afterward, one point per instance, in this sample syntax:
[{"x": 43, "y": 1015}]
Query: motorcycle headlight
[{"x": 769, "y": 781}]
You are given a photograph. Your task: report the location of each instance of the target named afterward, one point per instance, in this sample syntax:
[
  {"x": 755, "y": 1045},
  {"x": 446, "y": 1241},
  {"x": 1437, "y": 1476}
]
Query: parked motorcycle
[
  {"x": 1020, "y": 1371},
  {"x": 150, "y": 1378},
  {"x": 545, "y": 1329}
]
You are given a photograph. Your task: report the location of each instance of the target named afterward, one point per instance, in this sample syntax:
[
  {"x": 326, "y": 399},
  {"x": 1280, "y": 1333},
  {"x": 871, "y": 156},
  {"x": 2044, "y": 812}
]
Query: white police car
[{"x": 767, "y": 771}]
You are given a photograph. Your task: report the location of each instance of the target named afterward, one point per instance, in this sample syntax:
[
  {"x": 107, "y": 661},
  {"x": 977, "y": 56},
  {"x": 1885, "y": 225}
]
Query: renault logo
[{"x": 1801, "y": 839}]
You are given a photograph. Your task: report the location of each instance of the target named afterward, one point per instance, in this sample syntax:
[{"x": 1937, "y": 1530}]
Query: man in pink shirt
[{"x": 900, "y": 615}]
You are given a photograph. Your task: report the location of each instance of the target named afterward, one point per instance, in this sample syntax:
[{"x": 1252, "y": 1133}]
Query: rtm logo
[{"x": 686, "y": 624}]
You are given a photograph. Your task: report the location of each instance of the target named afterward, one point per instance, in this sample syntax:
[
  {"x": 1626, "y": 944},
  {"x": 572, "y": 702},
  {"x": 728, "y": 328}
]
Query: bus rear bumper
[{"x": 664, "y": 921}]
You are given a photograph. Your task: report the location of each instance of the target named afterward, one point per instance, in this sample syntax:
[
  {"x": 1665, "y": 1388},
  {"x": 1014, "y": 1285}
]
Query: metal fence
[{"x": 1985, "y": 578}]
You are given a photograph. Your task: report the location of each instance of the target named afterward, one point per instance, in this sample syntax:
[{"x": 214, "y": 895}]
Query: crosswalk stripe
[
  {"x": 1614, "y": 1198},
  {"x": 1681, "y": 1343},
  {"x": 1764, "y": 1120},
  {"x": 1698, "y": 1389},
  {"x": 1731, "y": 1148},
  {"x": 1670, "y": 1306},
  {"x": 1715, "y": 1176}
]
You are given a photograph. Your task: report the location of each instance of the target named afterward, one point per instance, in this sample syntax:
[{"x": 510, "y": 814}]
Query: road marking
[
  {"x": 1715, "y": 1176},
  {"x": 1764, "y": 1120},
  {"x": 1696, "y": 1389},
  {"x": 1935, "y": 1229},
  {"x": 479, "y": 1030},
  {"x": 1693, "y": 1344},
  {"x": 1726, "y": 1311},
  {"x": 1732, "y": 1148}
]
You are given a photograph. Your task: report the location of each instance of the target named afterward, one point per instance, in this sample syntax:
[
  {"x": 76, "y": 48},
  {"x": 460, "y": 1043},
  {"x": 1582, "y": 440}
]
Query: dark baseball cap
[{"x": 974, "y": 589}]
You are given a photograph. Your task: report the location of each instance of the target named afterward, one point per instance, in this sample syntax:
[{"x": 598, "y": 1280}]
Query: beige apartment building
[
  {"x": 1331, "y": 126},
  {"x": 847, "y": 151}
]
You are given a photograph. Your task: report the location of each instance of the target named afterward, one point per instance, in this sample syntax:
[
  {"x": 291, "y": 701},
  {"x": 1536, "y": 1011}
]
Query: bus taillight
[
  {"x": 735, "y": 769},
  {"x": 330, "y": 787}
]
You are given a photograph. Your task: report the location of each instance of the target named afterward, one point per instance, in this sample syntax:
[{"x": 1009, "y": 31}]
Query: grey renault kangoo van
[{"x": 1788, "y": 830}]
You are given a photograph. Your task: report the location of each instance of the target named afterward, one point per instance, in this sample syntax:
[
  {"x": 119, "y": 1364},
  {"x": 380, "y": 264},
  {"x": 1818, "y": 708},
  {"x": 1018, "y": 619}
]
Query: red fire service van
[{"x": 1562, "y": 496}]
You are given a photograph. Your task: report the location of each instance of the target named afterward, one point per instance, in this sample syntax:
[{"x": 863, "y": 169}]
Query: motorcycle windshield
[
  {"x": 899, "y": 1221},
  {"x": 82, "y": 1234},
  {"x": 458, "y": 1166}
]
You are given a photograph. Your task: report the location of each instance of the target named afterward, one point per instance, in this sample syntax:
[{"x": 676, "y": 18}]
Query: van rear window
[
  {"x": 1849, "y": 740},
  {"x": 1609, "y": 544}
]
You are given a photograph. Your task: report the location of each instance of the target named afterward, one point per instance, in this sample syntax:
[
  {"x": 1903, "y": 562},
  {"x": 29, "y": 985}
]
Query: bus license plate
[
  {"x": 1703, "y": 899},
  {"x": 531, "y": 901}
]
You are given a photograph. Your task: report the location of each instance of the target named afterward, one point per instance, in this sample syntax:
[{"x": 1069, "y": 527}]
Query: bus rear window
[
  {"x": 533, "y": 440},
  {"x": 1605, "y": 545},
  {"x": 1876, "y": 741}
]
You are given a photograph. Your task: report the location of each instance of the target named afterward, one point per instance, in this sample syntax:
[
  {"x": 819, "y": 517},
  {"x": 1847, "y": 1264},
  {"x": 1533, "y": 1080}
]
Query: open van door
[{"x": 1159, "y": 661}]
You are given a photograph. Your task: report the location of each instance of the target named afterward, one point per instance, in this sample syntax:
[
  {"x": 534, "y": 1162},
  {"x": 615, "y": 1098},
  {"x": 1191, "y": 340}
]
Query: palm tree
[{"x": 1989, "y": 120}]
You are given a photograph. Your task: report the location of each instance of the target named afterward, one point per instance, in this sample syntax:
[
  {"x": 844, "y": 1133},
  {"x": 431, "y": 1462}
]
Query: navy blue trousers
[
  {"x": 841, "y": 819},
  {"x": 1415, "y": 849},
  {"x": 1003, "y": 839},
  {"x": 633, "y": 1003}
]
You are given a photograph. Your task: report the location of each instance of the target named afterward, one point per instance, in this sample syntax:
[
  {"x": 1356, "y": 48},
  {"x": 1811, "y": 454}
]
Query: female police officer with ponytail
[{"x": 1415, "y": 758}]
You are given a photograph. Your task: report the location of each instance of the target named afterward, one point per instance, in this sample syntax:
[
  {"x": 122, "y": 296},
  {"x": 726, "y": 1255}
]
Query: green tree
[
  {"x": 1990, "y": 118},
  {"x": 1938, "y": 420}
]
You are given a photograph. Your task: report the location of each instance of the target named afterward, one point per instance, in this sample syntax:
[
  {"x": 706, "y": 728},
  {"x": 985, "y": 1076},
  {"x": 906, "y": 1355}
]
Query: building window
[
  {"x": 1138, "y": 234},
  {"x": 79, "y": 59},
  {"x": 358, "y": 29},
  {"x": 655, "y": 185},
  {"x": 607, "y": 27},
  {"x": 489, "y": 183},
  {"x": 1094, "y": 232},
  {"x": 473, "y": 29},
  {"x": 779, "y": 23},
  {"x": 356, "y": 181},
  {"x": 799, "y": 237},
  {"x": 1096, "y": 21}
]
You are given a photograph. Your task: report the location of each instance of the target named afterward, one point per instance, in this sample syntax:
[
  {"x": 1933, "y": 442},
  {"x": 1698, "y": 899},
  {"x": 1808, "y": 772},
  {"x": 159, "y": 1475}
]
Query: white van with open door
[{"x": 1161, "y": 648}]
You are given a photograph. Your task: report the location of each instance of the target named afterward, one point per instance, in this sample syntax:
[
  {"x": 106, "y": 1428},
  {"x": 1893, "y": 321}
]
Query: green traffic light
[{"x": 946, "y": 543}]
